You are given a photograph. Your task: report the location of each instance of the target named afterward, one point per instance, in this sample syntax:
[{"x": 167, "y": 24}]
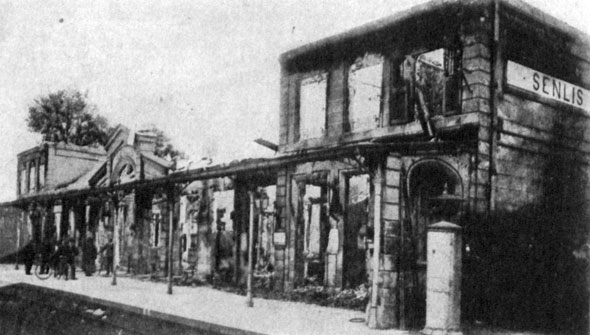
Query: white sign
[{"x": 547, "y": 86}]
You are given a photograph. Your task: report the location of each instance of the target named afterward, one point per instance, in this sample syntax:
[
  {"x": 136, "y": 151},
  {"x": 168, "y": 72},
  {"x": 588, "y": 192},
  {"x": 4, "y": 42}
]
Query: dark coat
[
  {"x": 28, "y": 253},
  {"x": 108, "y": 249},
  {"x": 69, "y": 252},
  {"x": 89, "y": 253}
]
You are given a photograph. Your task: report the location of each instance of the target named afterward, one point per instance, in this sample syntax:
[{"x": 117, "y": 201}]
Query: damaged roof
[{"x": 428, "y": 9}]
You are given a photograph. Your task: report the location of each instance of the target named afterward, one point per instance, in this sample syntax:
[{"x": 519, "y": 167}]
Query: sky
[{"x": 206, "y": 72}]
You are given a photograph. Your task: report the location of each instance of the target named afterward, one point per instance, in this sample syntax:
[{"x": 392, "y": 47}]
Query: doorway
[
  {"x": 354, "y": 267},
  {"x": 429, "y": 182}
]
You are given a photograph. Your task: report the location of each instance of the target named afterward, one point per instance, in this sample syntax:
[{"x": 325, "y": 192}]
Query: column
[
  {"x": 384, "y": 302},
  {"x": 443, "y": 280},
  {"x": 57, "y": 209}
]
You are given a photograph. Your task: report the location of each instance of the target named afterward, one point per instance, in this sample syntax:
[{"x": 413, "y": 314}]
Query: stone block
[
  {"x": 483, "y": 147},
  {"x": 477, "y": 64},
  {"x": 394, "y": 163},
  {"x": 391, "y": 194},
  {"x": 477, "y": 77},
  {"x": 390, "y": 212},
  {"x": 388, "y": 262},
  {"x": 392, "y": 177},
  {"x": 476, "y": 37},
  {"x": 476, "y": 50},
  {"x": 387, "y": 279},
  {"x": 476, "y": 105},
  {"x": 386, "y": 316},
  {"x": 475, "y": 90}
]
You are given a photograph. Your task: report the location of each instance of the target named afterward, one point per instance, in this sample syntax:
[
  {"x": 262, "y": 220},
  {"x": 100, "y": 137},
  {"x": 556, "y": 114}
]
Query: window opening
[
  {"x": 310, "y": 194},
  {"x": 355, "y": 230},
  {"x": 155, "y": 231},
  {"x": 364, "y": 86},
  {"x": 431, "y": 88},
  {"x": 313, "y": 206},
  {"x": 23, "y": 180},
  {"x": 312, "y": 107},
  {"x": 32, "y": 179},
  {"x": 41, "y": 175},
  {"x": 127, "y": 173}
]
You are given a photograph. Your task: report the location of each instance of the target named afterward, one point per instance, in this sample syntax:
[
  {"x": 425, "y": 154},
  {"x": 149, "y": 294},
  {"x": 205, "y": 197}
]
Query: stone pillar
[
  {"x": 57, "y": 219},
  {"x": 383, "y": 305},
  {"x": 443, "y": 279},
  {"x": 71, "y": 222}
]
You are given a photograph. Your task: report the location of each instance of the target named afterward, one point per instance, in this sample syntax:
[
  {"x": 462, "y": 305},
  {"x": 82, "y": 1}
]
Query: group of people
[{"x": 62, "y": 256}]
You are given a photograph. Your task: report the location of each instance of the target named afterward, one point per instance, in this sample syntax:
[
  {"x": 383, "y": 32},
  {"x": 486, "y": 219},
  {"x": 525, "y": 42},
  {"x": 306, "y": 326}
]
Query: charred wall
[{"x": 520, "y": 265}]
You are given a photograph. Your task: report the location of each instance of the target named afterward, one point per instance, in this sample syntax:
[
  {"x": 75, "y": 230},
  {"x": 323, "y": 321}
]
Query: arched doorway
[{"x": 429, "y": 182}]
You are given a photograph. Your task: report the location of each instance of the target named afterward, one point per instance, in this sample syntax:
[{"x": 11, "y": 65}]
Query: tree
[{"x": 66, "y": 116}]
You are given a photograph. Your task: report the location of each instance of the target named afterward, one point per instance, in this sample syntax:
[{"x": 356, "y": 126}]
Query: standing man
[
  {"x": 70, "y": 252},
  {"x": 108, "y": 250},
  {"x": 28, "y": 255},
  {"x": 89, "y": 254}
]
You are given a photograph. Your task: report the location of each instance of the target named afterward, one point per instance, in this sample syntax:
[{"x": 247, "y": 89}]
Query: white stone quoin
[{"x": 443, "y": 280}]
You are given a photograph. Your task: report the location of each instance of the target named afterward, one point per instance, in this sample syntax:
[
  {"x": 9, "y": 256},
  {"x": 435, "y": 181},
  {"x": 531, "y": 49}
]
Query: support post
[
  {"x": 19, "y": 227},
  {"x": 372, "y": 321},
  {"x": 249, "y": 300},
  {"x": 443, "y": 280},
  {"x": 116, "y": 245},
  {"x": 57, "y": 210},
  {"x": 170, "y": 199}
]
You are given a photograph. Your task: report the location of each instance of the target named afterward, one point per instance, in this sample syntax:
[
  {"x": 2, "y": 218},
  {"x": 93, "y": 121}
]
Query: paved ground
[
  {"x": 209, "y": 305},
  {"x": 219, "y": 308}
]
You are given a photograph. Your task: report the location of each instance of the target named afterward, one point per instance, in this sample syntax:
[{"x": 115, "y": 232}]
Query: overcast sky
[{"x": 206, "y": 72}]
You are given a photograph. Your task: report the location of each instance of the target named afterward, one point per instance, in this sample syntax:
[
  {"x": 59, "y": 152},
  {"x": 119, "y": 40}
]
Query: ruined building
[{"x": 473, "y": 112}]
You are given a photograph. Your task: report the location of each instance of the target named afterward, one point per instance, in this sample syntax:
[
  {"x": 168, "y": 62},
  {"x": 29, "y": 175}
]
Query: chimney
[{"x": 145, "y": 142}]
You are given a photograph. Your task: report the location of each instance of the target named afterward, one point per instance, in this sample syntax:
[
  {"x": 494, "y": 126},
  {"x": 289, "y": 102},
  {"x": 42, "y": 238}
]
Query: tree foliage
[{"x": 66, "y": 116}]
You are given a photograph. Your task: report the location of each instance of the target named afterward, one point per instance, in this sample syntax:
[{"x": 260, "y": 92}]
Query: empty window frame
[
  {"x": 365, "y": 79},
  {"x": 23, "y": 179},
  {"x": 156, "y": 229},
  {"x": 312, "y": 106},
  {"x": 426, "y": 84},
  {"x": 32, "y": 178},
  {"x": 435, "y": 81},
  {"x": 312, "y": 219},
  {"x": 41, "y": 175}
]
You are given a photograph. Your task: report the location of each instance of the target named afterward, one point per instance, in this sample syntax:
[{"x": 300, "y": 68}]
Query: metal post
[
  {"x": 18, "y": 233},
  {"x": 249, "y": 301},
  {"x": 259, "y": 234},
  {"x": 116, "y": 243},
  {"x": 170, "y": 237},
  {"x": 378, "y": 179}
]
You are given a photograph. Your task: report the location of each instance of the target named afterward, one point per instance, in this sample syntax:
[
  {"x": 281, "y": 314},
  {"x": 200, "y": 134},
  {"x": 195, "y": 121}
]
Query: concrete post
[
  {"x": 170, "y": 250},
  {"x": 117, "y": 244},
  {"x": 249, "y": 300},
  {"x": 443, "y": 279},
  {"x": 373, "y": 312},
  {"x": 19, "y": 229},
  {"x": 57, "y": 220}
]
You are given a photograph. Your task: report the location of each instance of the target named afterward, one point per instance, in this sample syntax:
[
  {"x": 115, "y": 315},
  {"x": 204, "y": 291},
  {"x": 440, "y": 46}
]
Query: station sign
[{"x": 546, "y": 86}]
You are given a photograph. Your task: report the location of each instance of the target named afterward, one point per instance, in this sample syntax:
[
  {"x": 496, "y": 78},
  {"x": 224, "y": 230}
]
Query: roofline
[
  {"x": 30, "y": 150},
  {"x": 429, "y": 7},
  {"x": 119, "y": 128},
  {"x": 270, "y": 165},
  {"x": 96, "y": 151}
]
